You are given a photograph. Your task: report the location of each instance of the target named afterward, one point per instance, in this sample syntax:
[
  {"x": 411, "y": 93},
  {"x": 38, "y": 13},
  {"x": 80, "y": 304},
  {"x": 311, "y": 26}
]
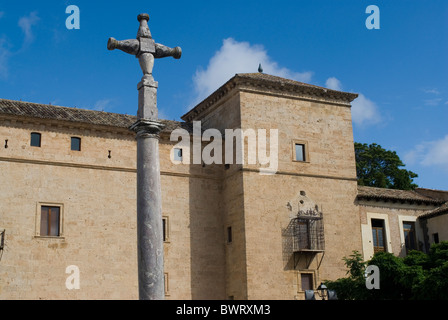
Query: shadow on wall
[{"x": 207, "y": 245}]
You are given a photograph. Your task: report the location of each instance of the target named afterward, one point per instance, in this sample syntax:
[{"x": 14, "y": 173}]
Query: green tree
[
  {"x": 352, "y": 287},
  {"x": 417, "y": 276},
  {"x": 377, "y": 167}
]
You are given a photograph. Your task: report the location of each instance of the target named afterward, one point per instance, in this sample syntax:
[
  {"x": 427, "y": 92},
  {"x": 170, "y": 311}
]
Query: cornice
[{"x": 267, "y": 84}]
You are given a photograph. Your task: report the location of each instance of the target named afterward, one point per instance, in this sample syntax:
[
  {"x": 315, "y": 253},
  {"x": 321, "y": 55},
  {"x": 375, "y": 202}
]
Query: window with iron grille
[{"x": 308, "y": 233}]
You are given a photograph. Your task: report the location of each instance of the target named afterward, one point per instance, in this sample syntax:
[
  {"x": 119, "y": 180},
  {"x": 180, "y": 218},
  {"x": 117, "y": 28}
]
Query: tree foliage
[
  {"x": 418, "y": 276},
  {"x": 377, "y": 167}
]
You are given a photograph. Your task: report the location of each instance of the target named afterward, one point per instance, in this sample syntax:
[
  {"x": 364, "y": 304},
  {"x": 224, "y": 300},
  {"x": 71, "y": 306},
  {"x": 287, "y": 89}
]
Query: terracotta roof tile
[
  {"x": 371, "y": 193},
  {"x": 268, "y": 82},
  {"x": 443, "y": 209},
  {"x": 75, "y": 115}
]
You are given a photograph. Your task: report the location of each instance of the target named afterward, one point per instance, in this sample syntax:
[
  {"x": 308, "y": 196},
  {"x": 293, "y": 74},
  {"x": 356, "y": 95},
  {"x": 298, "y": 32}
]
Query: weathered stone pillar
[
  {"x": 151, "y": 274},
  {"x": 149, "y": 212},
  {"x": 149, "y": 195}
]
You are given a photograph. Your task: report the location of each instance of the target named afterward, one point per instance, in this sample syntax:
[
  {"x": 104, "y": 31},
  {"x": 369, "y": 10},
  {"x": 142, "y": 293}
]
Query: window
[
  {"x": 50, "y": 220},
  {"x": 229, "y": 234},
  {"x": 76, "y": 144},
  {"x": 306, "y": 280},
  {"x": 300, "y": 152},
  {"x": 409, "y": 236},
  {"x": 378, "y": 235},
  {"x": 304, "y": 234},
  {"x": 435, "y": 237},
  {"x": 165, "y": 228},
  {"x": 2, "y": 239},
  {"x": 177, "y": 154},
  {"x": 165, "y": 280},
  {"x": 35, "y": 139},
  {"x": 308, "y": 233}
]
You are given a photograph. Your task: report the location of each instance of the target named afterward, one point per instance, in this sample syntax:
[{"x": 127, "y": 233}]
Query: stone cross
[
  {"x": 151, "y": 281},
  {"x": 146, "y": 50}
]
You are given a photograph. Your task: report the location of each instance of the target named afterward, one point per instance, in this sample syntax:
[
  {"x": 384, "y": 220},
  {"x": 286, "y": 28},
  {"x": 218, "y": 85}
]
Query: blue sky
[{"x": 399, "y": 70}]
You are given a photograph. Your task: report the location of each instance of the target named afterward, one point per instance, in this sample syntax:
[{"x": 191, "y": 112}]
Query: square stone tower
[{"x": 271, "y": 253}]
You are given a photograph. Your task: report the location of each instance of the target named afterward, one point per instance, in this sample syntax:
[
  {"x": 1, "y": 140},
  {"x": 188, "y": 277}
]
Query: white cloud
[
  {"x": 365, "y": 111},
  {"x": 333, "y": 84},
  {"x": 26, "y": 23},
  {"x": 238, "y": 57},
  {"x": 431, "y": 91},
  {"x": 430, "y": 153},
  {"x": 5, "y": 53},
  {"x": 102, "y": 105},
  {"x": 433, "y": 102}
]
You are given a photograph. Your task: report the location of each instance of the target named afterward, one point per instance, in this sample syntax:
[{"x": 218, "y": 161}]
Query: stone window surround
[
  {"x": 39, "y": 205},
  {"x": 306, "y": 151},
  {"x": 385, "y": 218},
  {"x": 299, "y": 279},
  {"x": 167, "y": 229},
  {"x": 413, "y": 219}
]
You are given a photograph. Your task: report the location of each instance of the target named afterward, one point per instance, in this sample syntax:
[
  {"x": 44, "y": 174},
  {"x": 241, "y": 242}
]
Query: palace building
[{"x": 68, "y": 198}]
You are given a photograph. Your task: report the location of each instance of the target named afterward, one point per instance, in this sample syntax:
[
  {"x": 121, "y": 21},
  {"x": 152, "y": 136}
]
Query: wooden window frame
[
  {"x": 383, "y": 229},
  {"x": 39, "y": 207},
  {"x": 313, "y": 275}
]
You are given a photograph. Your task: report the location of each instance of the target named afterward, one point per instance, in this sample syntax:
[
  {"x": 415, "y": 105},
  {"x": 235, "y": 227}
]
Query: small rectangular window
[
  {"x": 409, "y": 236},
  {"x": 229, "y": 234},
  {"x": 50, "y": 220},
  {"x": 2, "y": 239},
  {"x": 35, "y": 139},
  {"x": 378, "y": 235},
  {"x": 165, "y": 280},
  {"x": 435, "y": 237},
  {"x": 177, "y": 154},
  {"x": 165, "y": 228},
  {"x": 300, "y": 152},
  {"x": 76, "y": 144},
  {"x": 306, "y": 281}
]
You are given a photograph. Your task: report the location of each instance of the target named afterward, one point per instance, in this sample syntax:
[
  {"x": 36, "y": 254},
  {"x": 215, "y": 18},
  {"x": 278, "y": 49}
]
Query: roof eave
[{"x": 288, "y": 86}]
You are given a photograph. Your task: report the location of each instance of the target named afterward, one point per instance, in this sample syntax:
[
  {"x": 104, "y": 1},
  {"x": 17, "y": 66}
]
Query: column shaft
[{"x": 149, "y": 219}]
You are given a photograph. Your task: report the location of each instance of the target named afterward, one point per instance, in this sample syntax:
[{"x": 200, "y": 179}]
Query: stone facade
[{"x": 226, "y": 226}]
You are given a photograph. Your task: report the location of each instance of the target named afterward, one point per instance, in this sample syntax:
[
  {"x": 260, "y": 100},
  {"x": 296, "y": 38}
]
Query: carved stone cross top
[{"x": 144, "y": 48}]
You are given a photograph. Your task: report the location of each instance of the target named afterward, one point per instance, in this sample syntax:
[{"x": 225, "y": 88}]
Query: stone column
[
  {"x": 151, "y": 274},
  {"x": 149, "y": 195}
]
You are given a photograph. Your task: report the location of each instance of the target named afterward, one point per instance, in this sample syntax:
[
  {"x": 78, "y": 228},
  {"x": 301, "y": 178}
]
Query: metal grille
[{"x": 308, "y": 233}]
